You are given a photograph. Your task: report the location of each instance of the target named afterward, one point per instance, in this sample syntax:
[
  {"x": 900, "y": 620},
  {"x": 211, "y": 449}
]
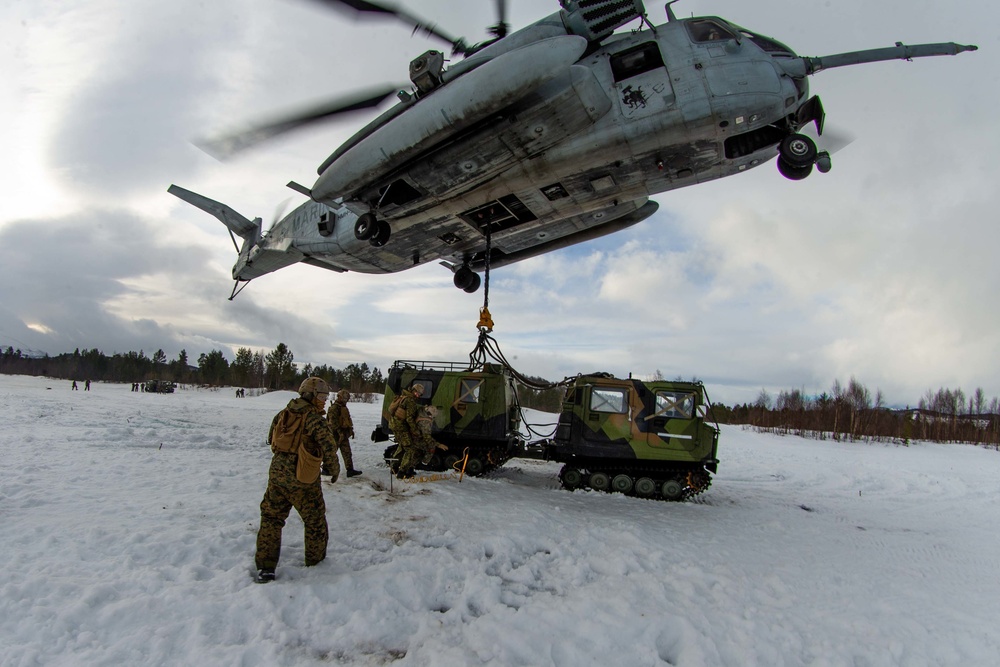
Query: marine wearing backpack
[
  {"x": 301, "y": 441},
  {"x": 403, "y": 412}
]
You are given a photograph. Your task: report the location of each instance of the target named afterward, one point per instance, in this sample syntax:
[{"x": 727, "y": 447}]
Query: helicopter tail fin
[{"x": 238, "y": 224}]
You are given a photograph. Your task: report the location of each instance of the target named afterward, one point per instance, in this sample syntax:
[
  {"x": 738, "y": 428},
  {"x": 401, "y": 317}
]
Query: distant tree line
[
  {"x": 266, "y": 371},
  {"x": 847, "y": 412},
  {"x": 853, "y": 413}
]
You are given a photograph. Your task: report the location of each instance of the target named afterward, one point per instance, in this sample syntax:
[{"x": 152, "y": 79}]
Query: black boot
[
  {"x": 352, "y": 472},
  {"x": 264, "y": 576}
]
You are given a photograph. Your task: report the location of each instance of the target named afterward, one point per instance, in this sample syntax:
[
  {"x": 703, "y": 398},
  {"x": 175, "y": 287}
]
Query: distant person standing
[
  {"x": 339, "y": 419},
  {"x": 86, "y": 385},
  {"x": 75, "y": 388},
  {"x": 301, "y": 440}
]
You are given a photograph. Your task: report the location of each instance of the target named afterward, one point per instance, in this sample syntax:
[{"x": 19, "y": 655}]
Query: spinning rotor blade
[
  {"x": 458, "y": 45},
  {"x": 226, "y": 146}
]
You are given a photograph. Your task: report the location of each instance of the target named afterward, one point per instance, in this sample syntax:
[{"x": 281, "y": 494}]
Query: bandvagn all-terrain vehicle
[
  {"x": 647, "y": 439},
  {"x": 641, "y": 438},
  {"x": 472, "y": 409},
  {"x": 159, "y": 386}
]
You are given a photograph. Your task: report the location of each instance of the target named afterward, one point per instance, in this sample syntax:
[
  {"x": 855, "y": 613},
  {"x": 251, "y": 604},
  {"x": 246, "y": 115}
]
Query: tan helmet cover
[
  {"x": 344, "y": 395},
  {"x": 314, "y": 385},
  {"x": 417, "y": 389}
]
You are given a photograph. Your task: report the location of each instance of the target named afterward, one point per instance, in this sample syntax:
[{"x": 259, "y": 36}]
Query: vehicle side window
[
  {"x": 675, "y": 405},
  {"x": 469, "y": 390},
  {"x": 636, "y": 60},
  {"x": 608, "y": 400}
]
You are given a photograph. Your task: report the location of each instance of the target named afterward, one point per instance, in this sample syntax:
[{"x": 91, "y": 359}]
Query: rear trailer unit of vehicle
[
  {"x": 646, "y": 439},
  {"x": 470, "y": 409}
]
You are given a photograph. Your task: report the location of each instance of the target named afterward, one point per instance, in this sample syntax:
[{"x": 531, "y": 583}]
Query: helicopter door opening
[
  {"x": 398, "y": 193},
  {"x": 499, "y": 215},
  {"x": 642, "y": 81}
]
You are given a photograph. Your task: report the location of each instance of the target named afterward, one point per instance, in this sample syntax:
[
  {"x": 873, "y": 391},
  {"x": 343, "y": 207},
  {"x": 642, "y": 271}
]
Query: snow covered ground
[{"x": 128, "y": 521}]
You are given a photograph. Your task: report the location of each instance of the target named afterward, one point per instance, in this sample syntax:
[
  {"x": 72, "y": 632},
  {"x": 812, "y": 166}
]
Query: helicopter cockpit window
[
  {"x": 608, "y": 400},
  {"x": 707, "y": 30},
  {"x": 772, "y": 46},
  {"x": 636, "y": 60}
]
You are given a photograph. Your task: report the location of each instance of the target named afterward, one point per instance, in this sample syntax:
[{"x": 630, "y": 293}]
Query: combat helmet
[
  {"x": 344, "y": 395},
  {"x": 313, "y": 386}
]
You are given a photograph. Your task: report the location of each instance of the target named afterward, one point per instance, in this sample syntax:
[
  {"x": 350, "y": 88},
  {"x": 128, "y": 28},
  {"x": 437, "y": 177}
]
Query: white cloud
[{"x": 885, "y": 268}]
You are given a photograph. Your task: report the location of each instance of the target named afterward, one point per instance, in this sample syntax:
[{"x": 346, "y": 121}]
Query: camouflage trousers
[
  {"x": 412, "y": 454},
  {"x": 409, "y": 450},
  {"x": 283, "y": 493},
  {"x": 344, "y": 445}
]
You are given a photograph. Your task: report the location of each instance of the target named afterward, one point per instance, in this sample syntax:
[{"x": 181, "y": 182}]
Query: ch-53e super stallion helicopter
[{"x": 536, "y": 140}]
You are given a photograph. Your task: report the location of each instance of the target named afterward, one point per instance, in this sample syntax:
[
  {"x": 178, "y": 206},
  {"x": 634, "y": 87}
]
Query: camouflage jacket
[
  {"x": 317, "y": 439},
  {"x": 339, "y": 419},
  {"x": 409, "y": 406}
]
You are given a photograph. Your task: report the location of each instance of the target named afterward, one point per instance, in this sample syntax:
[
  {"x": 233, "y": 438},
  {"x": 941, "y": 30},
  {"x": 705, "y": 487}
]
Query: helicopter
[{"x": 539, "y": 139}]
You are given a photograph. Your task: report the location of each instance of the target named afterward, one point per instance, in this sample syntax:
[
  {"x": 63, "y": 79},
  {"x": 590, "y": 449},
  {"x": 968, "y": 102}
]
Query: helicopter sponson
[{"x": 543, "y": 138}]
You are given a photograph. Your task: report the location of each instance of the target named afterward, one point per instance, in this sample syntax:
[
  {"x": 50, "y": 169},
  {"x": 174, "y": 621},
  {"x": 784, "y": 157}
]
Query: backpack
[
  {"x": 396, "y": 408},
  {"x": 288, "y": 431}
]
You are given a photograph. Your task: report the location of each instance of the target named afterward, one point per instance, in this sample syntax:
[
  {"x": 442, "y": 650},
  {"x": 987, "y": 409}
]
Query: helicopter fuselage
[
  {"x": 647, "y": 112},
  {"x": 546, "y": 138}
]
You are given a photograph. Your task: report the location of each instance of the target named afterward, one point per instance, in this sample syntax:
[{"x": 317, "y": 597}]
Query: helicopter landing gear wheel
[
  {"x": 823, "y": 162},
  {"x": 465, "y": 277},
  {"x": 798, "y": 150},
  {"x": 792, "y": 172},
  {"x": 474, "y": 285},
  {"x": 381, "y": 235},
  {"x": 365, "y": 227}
]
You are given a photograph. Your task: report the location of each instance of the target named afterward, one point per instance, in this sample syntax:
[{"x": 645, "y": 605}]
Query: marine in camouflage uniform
[
  {"x": 425, "y": 423},
  {"x": 285, "y": 491},
  {"x": 403, "y": 422},
  {"x": 339, "y": 419}
]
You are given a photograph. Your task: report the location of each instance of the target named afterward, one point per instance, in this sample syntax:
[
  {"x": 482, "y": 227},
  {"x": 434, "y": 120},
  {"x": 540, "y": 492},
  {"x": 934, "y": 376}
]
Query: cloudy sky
[{"x": 884, "y": 269}]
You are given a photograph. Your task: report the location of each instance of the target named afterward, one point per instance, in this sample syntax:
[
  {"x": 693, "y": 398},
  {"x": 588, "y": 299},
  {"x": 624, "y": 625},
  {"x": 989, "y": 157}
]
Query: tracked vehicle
[
  {"x": 646, "y": 439},
  {"x": 159, "y": 387},
  {"x": 472, "y": 409}
]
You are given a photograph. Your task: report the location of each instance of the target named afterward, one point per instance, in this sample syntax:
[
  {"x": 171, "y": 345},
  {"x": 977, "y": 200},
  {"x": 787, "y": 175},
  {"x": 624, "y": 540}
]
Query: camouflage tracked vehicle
[
  {"x": 472, "y": 409},
  {"x": 159, "y": 387},
  {"x": 646, "y": 439}
]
